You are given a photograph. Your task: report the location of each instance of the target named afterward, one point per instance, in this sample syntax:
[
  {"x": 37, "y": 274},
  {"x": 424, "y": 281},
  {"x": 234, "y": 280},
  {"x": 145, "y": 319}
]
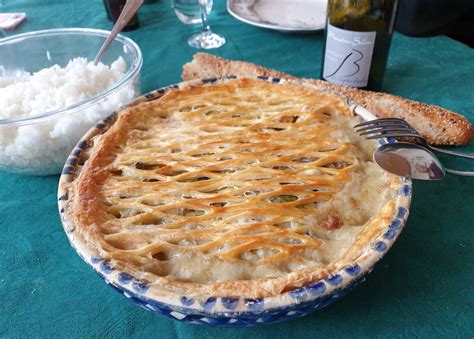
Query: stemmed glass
[{"x": 206, "y": 39}]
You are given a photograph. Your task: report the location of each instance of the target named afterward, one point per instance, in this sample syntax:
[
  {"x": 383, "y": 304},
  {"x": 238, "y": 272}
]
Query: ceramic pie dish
[{"x": 231, "y": 202}]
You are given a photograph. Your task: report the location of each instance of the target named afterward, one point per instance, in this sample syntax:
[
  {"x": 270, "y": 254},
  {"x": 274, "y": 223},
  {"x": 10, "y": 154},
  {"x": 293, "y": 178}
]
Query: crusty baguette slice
[{"x": 438, "y": 125}]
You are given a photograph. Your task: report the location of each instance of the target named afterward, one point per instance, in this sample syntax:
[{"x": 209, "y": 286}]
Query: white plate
[{"x": 281, "y": 15}]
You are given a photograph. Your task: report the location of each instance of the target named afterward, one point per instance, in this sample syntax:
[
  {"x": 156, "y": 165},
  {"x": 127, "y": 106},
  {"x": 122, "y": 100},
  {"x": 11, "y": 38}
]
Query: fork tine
[
  {"x": 387, "y": 131},
  {"x": 382, "y": 127},
  {"x": 381, "y": 136},
  {"x": 387, "y": 127},
  {"x": 380, "y": 121}
]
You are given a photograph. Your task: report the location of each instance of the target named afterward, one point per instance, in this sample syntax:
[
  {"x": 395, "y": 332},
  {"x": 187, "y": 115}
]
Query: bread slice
[{"x": 438, "y": 125}]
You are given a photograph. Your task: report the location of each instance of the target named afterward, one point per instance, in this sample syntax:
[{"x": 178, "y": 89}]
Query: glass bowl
[{"x": 40, "y": 144}]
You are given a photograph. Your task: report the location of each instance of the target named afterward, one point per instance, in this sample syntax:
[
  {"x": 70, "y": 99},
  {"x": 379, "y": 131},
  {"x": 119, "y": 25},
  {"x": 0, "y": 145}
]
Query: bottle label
[{"x": 348, "y": 56}]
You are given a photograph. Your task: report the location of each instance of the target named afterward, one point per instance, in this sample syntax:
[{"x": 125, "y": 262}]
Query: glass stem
[{"x": 205, "y": 25}]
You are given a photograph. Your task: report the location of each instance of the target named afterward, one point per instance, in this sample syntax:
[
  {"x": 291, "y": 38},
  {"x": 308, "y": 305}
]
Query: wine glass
[
  {"x": 206, "y": 39},
  {"x": 188, "y": 11}
]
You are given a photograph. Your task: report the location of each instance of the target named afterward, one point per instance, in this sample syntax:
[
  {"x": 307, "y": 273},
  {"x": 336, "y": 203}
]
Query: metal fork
[{"x": 394, "y": 127}]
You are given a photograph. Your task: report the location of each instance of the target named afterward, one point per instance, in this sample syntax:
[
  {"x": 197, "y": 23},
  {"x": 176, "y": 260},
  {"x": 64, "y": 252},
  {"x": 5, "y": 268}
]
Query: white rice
[{"x": 43, "y": 147}]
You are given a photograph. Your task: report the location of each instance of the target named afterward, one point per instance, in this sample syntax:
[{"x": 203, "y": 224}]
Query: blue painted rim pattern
[{"x": 230, "y": 311}]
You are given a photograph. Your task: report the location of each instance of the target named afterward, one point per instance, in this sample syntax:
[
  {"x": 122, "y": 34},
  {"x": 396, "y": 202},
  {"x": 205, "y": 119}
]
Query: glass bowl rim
[{"x": 132, "y": 71}]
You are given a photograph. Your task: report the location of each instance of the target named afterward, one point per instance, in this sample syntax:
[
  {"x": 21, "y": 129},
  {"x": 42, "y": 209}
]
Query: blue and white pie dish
[{"x": 230, "y": 311}]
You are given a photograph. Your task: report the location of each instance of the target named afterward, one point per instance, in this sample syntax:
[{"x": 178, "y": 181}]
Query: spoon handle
[
  {"x": 129, "y": 10},
  {"x": 448, "y": 151},
  {"x": 461, "y": 173}
]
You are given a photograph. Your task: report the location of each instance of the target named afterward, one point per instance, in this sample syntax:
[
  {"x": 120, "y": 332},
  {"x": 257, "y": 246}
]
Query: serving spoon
[
  {"x": 413, "y": 161},
  {"x": 128, "y": 11}
]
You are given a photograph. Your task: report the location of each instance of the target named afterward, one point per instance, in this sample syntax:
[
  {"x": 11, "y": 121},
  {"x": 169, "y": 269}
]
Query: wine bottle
[{"x": 357, "y": 42}]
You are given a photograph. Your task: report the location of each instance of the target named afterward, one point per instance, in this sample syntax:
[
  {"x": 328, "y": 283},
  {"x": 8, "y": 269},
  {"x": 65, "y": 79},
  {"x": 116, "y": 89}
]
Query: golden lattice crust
[{"x": 241, "y": 188}]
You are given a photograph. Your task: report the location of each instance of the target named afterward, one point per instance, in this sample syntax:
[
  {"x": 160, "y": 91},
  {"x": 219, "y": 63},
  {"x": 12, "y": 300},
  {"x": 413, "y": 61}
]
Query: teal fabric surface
[{"x": 423, "y": 287}]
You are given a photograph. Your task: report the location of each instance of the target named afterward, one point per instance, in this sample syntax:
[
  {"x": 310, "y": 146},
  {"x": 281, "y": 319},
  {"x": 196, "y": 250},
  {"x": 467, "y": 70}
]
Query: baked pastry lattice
[{"x": 241, "y": 188}]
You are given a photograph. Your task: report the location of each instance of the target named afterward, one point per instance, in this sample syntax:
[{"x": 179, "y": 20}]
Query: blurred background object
[
  {"x": 10, "y": 21},
  {"x": 425, "y": 18},
  {"x": 114, "y": 8}
]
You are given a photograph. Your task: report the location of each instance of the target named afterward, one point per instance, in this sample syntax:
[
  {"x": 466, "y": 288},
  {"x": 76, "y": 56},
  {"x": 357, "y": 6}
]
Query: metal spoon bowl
[
  {"x": 409, "y": 160},
  {"x": 413, "y": 161}
]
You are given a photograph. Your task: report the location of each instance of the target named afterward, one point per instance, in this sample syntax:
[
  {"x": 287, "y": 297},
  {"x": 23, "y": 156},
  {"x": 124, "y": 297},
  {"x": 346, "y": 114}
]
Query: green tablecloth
[{"x": 424, "y": 286}]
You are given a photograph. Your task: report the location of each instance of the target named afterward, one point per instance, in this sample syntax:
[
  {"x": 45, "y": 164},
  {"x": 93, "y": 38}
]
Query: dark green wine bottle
[{"x": 357, "y": 41}]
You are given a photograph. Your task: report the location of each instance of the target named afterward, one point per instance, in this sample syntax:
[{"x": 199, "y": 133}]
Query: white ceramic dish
[{"x": 301, "y": 16}]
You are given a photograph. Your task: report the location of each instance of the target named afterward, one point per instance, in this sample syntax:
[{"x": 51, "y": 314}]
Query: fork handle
[
  {"x": 459, "y": 154},
  {"x": 461, "y": 173},
  {"x": 362, "y": 112}
]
